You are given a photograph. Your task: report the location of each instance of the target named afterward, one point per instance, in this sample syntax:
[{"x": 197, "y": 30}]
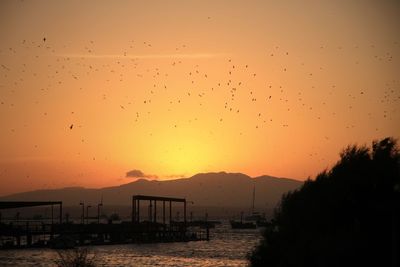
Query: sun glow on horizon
[{"x": 174, "y": 89}]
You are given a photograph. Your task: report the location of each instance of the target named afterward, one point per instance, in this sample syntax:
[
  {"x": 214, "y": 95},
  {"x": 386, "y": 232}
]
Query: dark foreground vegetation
[
  {"x": 347, "y": 216},
  {"x": 78, "y": 257}
]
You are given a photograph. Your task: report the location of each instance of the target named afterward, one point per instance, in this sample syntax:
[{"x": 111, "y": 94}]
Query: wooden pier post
[
  {"x": 83, "y": 212},
  {"x": 150, "y": 211},
  {"x": 18, "y": 240},
  {"x": 52, "y": 223},
  {"x": 133, "y": 210},
  {"x": 61, "y": 208},
  {"x": 163, "y": 211},
  {"x": 138, "y": 210},
  {"x": 184, "y": 213},
  {"x": 28, "y": 235},
  {"x": 155, "y": 211},
  {"x": 170, "y": 213}
]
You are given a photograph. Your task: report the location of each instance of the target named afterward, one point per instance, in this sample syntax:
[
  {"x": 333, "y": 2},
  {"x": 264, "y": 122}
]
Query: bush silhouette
[
  {"x": 347, "y": 216},
  {"x": 78, "y": 257}
]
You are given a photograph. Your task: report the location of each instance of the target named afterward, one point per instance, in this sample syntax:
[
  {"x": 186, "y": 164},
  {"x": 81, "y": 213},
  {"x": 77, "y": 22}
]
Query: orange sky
[{"x": 173, "y": 88}]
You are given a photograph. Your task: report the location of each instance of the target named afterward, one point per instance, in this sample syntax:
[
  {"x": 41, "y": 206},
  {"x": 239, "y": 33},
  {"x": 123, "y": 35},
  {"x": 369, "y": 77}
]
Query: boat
[
  {"x": 258, "y": 218},
  {"x": 242, "y": 224},
  {"x": 255, "y": 219}
]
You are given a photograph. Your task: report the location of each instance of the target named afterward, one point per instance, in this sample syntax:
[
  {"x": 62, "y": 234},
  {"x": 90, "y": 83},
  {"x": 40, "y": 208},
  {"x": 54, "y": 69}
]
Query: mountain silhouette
[{"x": 205, "y": 189}]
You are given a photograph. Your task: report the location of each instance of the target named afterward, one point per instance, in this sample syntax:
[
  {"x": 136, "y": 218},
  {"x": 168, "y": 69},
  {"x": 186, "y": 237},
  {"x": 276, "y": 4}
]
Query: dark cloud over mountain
[{"x": 139, "y": 174}]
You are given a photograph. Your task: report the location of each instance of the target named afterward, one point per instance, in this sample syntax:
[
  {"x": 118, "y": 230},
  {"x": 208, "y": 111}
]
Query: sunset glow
[{"x": 90, "y": 90}]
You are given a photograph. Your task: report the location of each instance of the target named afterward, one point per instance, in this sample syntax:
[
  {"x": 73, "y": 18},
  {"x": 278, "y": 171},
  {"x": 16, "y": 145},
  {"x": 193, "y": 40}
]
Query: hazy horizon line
[{"x": 148, "y": 179}]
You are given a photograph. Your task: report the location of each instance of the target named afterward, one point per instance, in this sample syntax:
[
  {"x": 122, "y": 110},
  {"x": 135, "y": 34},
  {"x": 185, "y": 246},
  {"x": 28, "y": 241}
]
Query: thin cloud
[
  {"x": 148, "y": 56},
  {"x": 140, "y": 174},
  {"x": 135, "y": 173}
]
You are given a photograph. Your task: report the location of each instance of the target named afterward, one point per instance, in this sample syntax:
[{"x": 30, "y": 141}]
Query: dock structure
[
  {"x": 28, "y": 229},
  {"x": 153, "y": 201},
  {"x": 25, "y": 204},
  {"x": 17, "y": 233}
]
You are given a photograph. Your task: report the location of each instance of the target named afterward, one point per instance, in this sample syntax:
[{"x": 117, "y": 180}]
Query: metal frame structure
[
  {"x": 136, "y": 207},
  {"x": 26, "y": 204}
]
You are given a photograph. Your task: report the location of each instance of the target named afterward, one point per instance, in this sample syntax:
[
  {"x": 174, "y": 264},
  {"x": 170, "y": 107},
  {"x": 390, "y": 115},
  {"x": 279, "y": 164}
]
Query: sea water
[{"x": 227, "y": 247}]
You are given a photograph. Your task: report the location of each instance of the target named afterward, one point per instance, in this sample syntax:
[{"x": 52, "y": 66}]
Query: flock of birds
[{"x": 235, "y": 88}]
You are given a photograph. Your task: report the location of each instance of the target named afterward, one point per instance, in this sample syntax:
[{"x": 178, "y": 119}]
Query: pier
[{"x": 158, "y": 226}]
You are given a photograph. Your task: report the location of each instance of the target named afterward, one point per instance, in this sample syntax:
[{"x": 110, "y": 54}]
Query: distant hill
[{"x": 205, "y": 189}]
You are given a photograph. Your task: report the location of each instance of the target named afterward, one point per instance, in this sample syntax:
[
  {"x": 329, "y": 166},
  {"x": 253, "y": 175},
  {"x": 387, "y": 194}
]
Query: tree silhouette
[{"x": 347, "y": 216}]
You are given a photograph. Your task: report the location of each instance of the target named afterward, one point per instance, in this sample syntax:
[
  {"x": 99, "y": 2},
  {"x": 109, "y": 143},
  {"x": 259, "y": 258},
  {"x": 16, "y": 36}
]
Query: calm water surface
[{"x": 227, "y": 247}]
